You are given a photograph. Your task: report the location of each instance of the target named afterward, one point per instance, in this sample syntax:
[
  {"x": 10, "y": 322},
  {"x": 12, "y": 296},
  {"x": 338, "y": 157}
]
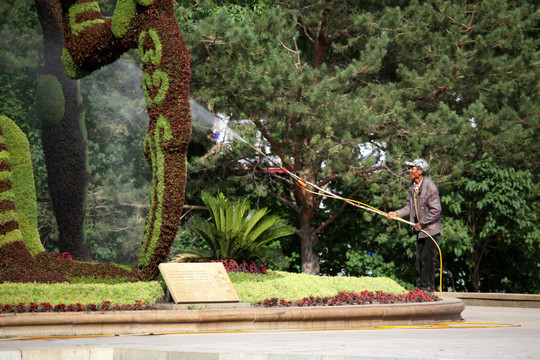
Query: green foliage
[
  {"x": 445, "y": 80},
  {"x": 24, "y": 192},
  {"x": 255, "y": 287},
  {"x": 125, "y": 293},
  {"x": 238, "y": 232},
  {"x": 499, "y": 204},
  {"x": 188, "y": 242},
  {"x": 20, "y": 59},
  {"x": 454, "y": 81},
  {"x": 50, "y": 104},
  {"x": 240, "y": 9},
  {"x": 369, "y": 264},
  {"x": 502, "y": 195},
  {"x": 315, "y": 106}
]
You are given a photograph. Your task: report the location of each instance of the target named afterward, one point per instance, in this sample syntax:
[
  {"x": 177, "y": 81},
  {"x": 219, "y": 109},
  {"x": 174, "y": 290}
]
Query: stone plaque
[{"x": 198, "y": 282}]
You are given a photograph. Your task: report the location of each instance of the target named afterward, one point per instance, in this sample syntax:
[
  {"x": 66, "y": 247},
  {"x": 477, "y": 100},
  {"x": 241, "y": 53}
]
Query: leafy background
[{"x": 421, "y": 79}]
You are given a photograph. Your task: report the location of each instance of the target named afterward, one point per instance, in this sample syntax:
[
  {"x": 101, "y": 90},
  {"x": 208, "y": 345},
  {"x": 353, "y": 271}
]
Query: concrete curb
[
  {"x": 497, "y": 299},
  {"x": 242, "y": 319}
]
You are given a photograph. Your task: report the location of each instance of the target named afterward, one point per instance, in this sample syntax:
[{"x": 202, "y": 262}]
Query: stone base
[
  {"x": 497, "y": 299},
  {"x": 227, "y": 319}
]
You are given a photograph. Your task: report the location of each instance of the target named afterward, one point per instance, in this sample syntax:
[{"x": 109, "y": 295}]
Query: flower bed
[
  {"x": 249, "y": 267},
  {"x": 352, "y": 298},
  {"x": 342, "y": 298},
  {"x": 78, "y": 307}
]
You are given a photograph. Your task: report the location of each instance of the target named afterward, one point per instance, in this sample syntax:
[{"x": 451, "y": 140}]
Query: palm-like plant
[{"x": 237, "y": 232}]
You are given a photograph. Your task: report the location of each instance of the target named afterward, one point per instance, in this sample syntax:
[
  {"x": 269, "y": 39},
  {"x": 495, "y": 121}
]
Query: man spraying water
[
  {"x": 427, "y": 225},
  {"x": 424, "y": 209}
]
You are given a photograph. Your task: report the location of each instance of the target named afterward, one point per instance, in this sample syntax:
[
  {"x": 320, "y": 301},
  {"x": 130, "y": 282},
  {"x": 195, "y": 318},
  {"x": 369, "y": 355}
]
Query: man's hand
[
  {"x": 417, "y": 226},
  {"x": 391, "y": 214}
]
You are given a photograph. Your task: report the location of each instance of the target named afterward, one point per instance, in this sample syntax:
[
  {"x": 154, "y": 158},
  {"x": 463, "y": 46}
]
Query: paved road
[{"x": 486, "y": 333}]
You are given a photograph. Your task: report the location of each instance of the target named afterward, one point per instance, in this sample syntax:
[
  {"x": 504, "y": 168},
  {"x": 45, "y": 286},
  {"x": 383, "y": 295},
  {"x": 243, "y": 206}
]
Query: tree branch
[
  {"x": 289, "y": 203},
  {"x": 341, "y": 210}
]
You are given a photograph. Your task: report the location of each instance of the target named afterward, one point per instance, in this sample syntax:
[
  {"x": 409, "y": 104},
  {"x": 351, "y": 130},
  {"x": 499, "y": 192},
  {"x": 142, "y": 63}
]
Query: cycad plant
[{"x": 237, "y": 232}]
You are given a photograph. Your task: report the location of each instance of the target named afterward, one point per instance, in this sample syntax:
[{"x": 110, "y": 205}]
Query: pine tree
[
  {"x": 299, "y": 74},
  {"x": 444, "y": 80}
]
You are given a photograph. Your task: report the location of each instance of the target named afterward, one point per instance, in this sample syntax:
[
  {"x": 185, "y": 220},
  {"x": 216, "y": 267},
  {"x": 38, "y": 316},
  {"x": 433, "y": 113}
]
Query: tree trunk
[
  {"x": 308, "y": 237},
  {"x": 452, "y": 280},
  {"x": 475, "y": 271},
  {"x": 64, "y": 142},
  {"x": 475, "y": 279},
  {"x": 309, "y": 259}
]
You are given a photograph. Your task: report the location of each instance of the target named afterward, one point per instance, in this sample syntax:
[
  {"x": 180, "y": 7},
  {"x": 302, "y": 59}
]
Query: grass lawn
[
  {"x": 253, "y": 287},
  {"x": 249, "y": 287}
]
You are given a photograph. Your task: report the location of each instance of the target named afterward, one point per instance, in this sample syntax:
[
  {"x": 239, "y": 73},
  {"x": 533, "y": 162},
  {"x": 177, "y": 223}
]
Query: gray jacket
[{"x": 429, "y": 208}]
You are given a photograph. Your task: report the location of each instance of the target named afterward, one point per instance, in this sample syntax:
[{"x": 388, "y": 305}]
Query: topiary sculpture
[
  {"x": 91, "y": 41},
  {"x": 19, "y": 239},
  {"x": 19, "y": 169}
]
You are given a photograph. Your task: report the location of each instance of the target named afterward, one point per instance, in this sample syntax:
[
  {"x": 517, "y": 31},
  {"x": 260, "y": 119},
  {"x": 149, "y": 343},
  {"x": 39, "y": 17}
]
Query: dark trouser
[{"x": 426, "y": 259}]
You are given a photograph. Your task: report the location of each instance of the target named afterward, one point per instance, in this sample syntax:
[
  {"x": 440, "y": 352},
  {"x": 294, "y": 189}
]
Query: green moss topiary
[
  {"x": 151, "y": 26},
  {"x": 155, "y": 216},
  {"x": 9, "y": 226},
  {"x": 160, "y": 80},
  {"x": 71, "y": 69},
  {"x": 22, "y": 178},
  {"x": 10, "y": 237},
  {"x": 150, "y": 55},
  {"x": 124, "y": 12},
  {"x": 80, "y": 8},
  {"x": 50, "y": 102}
]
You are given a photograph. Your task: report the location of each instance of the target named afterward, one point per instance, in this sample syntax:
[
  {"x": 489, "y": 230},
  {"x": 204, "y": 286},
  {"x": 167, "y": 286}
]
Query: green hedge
[
  {"x": 24, "y": 191},
  {"x": 125, "y": 293}
]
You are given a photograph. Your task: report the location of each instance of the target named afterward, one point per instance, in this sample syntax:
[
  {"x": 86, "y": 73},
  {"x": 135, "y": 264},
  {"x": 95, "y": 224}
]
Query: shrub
[
  {"x": 237, "y": 232},
  {"x": 14, "y": 293}
]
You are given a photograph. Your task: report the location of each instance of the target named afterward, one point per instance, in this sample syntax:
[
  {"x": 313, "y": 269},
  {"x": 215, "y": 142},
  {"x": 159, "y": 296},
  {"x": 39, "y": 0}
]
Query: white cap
[{"x": 419, "y": 163}]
